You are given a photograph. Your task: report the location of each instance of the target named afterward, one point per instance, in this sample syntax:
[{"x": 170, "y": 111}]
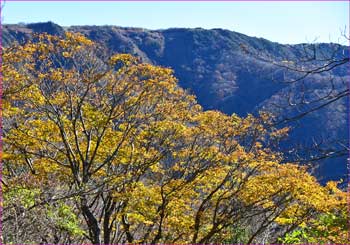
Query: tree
[
  {"x": 315, "y": 79},
  {"x": 113, "y": 151}
]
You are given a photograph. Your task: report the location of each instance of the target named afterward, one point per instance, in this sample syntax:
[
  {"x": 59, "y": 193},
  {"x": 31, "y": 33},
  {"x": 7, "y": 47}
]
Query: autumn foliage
[{"x": 113, "y": 151}]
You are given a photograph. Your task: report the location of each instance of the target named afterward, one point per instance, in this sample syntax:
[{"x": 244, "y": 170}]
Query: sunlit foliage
[{"x": 114, "y": 151}]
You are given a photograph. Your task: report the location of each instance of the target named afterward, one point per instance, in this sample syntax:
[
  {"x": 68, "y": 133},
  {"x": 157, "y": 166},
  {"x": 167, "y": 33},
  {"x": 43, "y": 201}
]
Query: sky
[{"x": 284, "y": 22}]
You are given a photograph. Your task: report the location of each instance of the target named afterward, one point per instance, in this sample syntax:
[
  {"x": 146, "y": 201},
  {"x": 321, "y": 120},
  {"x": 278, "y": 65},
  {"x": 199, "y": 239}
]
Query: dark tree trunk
[{"x": 91, "y": 221}]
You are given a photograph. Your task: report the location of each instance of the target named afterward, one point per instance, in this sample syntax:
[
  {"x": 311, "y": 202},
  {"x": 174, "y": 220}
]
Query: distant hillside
[{"x": 234, "y": 73}]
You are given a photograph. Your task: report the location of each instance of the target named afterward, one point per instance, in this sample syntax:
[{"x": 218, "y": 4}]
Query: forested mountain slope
[{"x": 235, "y": 73}]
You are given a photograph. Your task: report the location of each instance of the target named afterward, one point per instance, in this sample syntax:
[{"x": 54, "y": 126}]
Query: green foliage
[
  {"x": 65, "y": 218},
  {"x": 328, "y": 227},
  {"x": 21, "y": 196},
  {"x": 296, "y": 237}
]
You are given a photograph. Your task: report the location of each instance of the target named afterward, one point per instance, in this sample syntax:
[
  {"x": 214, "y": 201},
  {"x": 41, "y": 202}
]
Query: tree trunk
[{"x": 91, "y": 221}]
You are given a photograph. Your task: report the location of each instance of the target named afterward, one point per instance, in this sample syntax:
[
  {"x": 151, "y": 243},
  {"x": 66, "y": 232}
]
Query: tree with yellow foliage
[{"x": 113, "y": 151}]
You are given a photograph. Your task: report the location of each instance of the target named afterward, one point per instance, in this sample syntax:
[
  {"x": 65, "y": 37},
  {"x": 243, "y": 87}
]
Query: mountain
[{"x": 235, "y": 73}]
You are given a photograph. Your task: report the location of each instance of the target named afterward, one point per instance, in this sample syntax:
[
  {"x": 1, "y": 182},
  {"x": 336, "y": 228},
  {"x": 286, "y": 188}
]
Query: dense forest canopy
[{"x": 113, "y": 151}]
